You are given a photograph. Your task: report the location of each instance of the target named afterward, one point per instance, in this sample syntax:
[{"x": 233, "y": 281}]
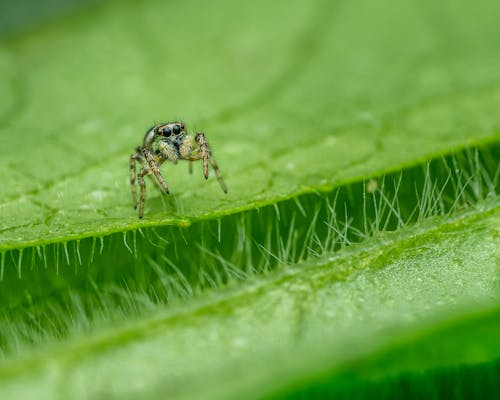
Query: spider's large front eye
[
  {"x": 176, "y": 129},
  {"x": 166, "y": 131}
]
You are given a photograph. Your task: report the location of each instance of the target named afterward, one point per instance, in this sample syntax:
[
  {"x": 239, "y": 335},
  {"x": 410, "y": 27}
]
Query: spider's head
[
  {"x": 164, "y": 130},
  {"x": 170, "y": 129}
]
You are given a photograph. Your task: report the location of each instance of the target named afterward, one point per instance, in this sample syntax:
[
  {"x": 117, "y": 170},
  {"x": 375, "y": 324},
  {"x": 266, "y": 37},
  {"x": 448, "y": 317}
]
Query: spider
[{"x": 168, "y": 141}]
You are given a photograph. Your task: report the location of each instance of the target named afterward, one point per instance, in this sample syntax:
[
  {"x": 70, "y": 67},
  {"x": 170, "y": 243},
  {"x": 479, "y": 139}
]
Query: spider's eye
[
  {"x": 182, "y": 127},
  {"x": 176, "y": 129},
  {"x": 166, "y": 131}
]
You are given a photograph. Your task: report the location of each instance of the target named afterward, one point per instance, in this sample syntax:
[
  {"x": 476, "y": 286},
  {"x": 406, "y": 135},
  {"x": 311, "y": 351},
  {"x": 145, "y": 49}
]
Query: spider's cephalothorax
[{"x": 172, "y": 142}]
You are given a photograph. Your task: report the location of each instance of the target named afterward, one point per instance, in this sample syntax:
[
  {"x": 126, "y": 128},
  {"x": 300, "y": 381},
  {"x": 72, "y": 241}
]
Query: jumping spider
[{"x": 168, "y": 141}]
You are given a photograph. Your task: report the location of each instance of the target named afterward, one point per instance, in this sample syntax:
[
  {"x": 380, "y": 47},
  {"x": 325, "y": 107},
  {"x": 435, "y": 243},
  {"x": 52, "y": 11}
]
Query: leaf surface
[
  {"x": 297, "y": 99},
  {"x": 288, "y": 103},
  {"x": 391, "y": 291}
]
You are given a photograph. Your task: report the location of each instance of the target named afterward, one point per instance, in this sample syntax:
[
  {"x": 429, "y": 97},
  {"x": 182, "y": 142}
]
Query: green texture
[
  {"x": 295, "y": 99},
  {"x": 356, "y": 253},
  {"x": 307, "y": 319}
]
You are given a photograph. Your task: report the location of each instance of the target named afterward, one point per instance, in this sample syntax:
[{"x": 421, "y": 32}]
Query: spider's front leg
[
  {"x": 206, "y": 155},
  {"x": 153, "y": 165}
]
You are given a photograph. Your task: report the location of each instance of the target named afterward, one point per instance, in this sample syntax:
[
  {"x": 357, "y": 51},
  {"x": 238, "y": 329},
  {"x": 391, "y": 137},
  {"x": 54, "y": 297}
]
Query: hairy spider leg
[
  {"x": 154, "y": 181},
  {"x": 154, "y": 167},
  {"x": 204, "y": 153},
  {"x": 207, "y": 157},
  {"x": 133, "y": 158},
  {"x": 144, "y": 171},
  {"x": 218, "y": 174}
]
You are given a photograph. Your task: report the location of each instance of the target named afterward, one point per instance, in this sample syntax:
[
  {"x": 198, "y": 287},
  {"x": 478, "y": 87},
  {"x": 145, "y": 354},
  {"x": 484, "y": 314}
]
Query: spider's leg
[
  {"x": 204, "y": 152},
  {"x": 218, "y": 174},
  {"x": 150, "y": 158},
  {"x": 160, "y": 159},
  {"x": 133, "y": 158},
  {"x": 144, "y": 171},
  {"x": 154, "y": 181},
  {"x": 206, "y": 155}
]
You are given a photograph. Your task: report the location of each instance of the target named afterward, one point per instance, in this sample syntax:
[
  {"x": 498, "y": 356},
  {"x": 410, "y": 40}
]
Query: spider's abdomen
[{"x": 149, "y": 137}]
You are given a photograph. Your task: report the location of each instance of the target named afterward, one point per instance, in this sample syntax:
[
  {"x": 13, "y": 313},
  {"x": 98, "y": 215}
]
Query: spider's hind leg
[
  {"x": 133, "y": 158},
  {"x": 142, "y": 184}
]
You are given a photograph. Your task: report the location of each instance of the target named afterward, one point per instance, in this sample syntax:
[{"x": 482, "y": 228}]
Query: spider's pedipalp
[
  {"x": 186, "y": 146},
  {"x": 168, "y": 151}
]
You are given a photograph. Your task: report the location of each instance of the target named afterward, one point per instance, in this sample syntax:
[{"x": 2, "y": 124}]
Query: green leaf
[
  {"x": 289, "y": 107},
  {"x": 316, "y": 317},
  {"x": 332, "y": 122}
]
